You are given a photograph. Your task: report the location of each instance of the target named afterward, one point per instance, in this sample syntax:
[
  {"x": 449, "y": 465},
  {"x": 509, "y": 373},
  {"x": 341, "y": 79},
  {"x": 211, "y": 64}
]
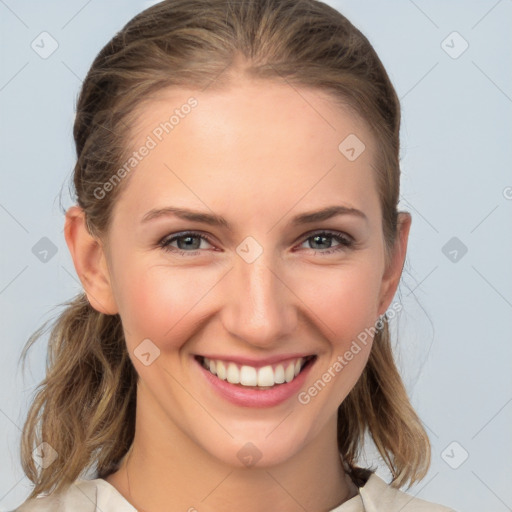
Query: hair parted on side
[{"x": 85, "y": 406}]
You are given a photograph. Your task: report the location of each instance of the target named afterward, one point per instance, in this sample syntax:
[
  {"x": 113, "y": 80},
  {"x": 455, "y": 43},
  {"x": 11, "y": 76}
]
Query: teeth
[
  {"x": 289, "y": 373},
  {"x": 233, "y": 375},
  {"x": 248, "y": 376},
  {"x": 279, "y": 374},
  {"x": 221, "y": 370},
  {"x": 266, "y": 376}
]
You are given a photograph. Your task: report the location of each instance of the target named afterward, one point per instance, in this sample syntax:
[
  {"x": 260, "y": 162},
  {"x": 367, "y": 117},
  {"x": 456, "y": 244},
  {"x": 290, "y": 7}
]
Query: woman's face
[{"x": 275, "y": 287}]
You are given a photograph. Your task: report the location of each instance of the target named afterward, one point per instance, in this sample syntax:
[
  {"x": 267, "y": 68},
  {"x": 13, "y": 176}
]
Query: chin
[{"x": 257, "y": 449}]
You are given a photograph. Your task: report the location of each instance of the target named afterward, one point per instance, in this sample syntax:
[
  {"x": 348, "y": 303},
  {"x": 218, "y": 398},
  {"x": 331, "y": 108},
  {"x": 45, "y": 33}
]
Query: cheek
[
  {"x": 344, "y": 300},
  {"x": 158, "y": 302},
  {"x": 345, "y": 303},
  {"x": 167, "y": 304}
]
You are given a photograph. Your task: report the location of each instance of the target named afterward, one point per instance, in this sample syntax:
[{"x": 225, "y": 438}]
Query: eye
[
  {"x": 187, "y": 243},
  {"x": 323, "y": 240}
]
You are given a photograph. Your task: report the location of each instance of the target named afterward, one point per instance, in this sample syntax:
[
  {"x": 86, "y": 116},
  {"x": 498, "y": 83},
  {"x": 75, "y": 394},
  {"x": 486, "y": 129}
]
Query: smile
[{"x": 264, "y": 378}]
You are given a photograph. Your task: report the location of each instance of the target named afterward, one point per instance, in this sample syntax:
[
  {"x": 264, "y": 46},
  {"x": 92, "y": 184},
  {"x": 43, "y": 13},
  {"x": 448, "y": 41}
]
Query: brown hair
[{"x": 85, "y": 407}]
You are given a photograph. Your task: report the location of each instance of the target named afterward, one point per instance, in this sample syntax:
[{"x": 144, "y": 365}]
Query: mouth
[{"x": 260, "y": 378}]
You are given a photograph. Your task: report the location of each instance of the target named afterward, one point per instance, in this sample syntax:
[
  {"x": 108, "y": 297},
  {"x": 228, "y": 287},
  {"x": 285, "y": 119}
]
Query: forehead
[{"x": 257, "y": 145}]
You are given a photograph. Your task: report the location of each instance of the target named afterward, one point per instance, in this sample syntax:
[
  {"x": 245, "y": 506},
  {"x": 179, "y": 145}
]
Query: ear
[
  {"x": 90, "y": 262},
  {"x": 393, "y": 272}
]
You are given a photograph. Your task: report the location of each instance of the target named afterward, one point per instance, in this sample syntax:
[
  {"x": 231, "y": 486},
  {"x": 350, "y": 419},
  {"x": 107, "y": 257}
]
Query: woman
[{"x": 237, "y": 236}]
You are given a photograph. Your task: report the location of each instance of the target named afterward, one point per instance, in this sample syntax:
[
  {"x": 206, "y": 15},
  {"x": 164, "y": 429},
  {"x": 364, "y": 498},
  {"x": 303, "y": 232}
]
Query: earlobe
[
  {"x": 393, "y": 272},
  {"x": 90, "y": 262}
]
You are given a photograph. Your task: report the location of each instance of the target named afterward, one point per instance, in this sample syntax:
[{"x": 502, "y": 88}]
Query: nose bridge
[{"x": 260, "y": 308}]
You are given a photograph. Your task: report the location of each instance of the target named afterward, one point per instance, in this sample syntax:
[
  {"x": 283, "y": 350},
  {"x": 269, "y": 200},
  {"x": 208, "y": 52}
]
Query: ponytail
[
  {"x": 85, "y": 406},
  {"x": 379, "y": 403}
]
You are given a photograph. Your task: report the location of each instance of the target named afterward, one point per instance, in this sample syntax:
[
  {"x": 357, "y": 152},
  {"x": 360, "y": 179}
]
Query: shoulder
[
  {"x": 378, "y": 496},
  {"x": 80, "y": 496}
]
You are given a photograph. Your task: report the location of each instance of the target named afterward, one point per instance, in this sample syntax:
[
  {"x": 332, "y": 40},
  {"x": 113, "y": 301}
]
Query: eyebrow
[{"x": 217, "y": 220}]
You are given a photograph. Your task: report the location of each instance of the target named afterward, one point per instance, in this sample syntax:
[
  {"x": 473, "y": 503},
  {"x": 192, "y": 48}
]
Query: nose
[{"x": 260, "y": 307}]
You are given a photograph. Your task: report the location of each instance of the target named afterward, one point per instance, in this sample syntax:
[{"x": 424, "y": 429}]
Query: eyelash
[{"x": 345, "y": 242}]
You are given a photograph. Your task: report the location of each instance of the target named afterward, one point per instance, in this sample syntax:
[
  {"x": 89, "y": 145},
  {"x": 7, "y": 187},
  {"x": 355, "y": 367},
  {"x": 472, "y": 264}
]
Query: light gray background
[{"x": 454, "y": 347}]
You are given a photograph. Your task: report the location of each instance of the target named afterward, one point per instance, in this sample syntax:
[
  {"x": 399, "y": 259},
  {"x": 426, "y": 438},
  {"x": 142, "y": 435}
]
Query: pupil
[
  {"x": 319, "y": 237},
  {"x": 188, "y": 239}
]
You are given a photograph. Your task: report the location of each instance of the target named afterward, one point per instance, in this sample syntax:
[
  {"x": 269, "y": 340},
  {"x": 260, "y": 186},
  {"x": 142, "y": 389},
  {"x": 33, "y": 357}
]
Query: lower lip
[{"x": 250, "y": 397}]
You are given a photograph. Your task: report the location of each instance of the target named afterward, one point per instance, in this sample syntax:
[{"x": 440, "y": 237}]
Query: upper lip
[{"x": 256, "y": 363}]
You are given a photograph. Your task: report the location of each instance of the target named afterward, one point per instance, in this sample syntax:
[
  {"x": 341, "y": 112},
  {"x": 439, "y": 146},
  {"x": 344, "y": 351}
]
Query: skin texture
[{"x": 257, "y": 154}]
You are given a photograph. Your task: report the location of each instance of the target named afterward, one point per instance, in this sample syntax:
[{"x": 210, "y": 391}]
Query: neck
[{"x": 166, "y": 470}]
